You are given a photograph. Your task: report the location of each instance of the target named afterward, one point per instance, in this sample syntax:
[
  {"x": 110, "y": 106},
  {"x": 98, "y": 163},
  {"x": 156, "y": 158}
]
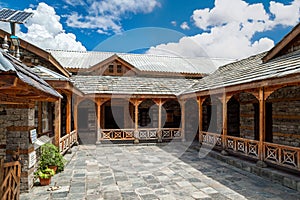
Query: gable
[
  {"x": 113, "y": 66},
  {"x": 290, "y": 43}
]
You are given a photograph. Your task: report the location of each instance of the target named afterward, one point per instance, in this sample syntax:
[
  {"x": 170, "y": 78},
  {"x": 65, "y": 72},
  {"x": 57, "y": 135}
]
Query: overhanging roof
[
  {"x": 31, "y": 85},
  {"x": 249, "y": 70},
  {"x": 131, "y": 85}
]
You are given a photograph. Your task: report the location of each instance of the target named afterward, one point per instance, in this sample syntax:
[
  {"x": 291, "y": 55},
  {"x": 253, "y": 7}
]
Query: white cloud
[
  {"x": 174, "y": 23},
  {"x": 106, "y": 15},
  {"x": 184, "y": 26},
  {"x": 286, "y": 14},
  {"x": 45, "y": 30},
  {"x": 228, "y": 29}
]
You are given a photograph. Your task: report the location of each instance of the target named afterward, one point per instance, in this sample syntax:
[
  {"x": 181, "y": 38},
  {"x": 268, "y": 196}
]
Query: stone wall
[
  {"x": 286, "y": 116},
  {"x": 15, "y": 127},
  {"x": 191, "y": 120},
  {"x": 286, "y": 123},
  {"x": 247, "y": 121}
]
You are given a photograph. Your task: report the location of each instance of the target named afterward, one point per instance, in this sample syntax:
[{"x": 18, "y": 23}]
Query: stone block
[{"x": 288, "y": 182}]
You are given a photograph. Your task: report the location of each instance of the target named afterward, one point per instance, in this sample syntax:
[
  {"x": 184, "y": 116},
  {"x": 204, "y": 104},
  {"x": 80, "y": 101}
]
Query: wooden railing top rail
[
  {"x": 210, "y": 133},
  {"x": 241, "y": 139},
  {"x": 282, "y": 146}
]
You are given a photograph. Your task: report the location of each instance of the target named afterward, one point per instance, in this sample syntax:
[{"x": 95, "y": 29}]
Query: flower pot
[
  {"x": 53, "y": 167},
  {"x": 45, "y": 181}
]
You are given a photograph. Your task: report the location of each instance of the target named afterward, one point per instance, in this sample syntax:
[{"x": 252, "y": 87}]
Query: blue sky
[{"x": 216, "y": 28}]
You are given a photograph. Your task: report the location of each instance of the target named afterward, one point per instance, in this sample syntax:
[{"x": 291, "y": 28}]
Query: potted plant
[
  {"x": 51, "y": 158},
  {"x": 45, "y": 175}
]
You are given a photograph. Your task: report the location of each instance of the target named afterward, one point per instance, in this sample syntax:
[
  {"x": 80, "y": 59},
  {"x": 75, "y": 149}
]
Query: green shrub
[{"x": 50, "y": 156}]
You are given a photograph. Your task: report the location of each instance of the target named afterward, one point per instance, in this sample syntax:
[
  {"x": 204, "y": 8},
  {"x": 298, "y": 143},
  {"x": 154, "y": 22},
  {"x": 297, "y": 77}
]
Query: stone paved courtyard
[{"x": 168, "y": 172}]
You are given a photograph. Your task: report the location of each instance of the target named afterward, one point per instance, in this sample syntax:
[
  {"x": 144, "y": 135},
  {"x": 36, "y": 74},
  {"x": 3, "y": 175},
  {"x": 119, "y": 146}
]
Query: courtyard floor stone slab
[{"x": 169, "y": 171}]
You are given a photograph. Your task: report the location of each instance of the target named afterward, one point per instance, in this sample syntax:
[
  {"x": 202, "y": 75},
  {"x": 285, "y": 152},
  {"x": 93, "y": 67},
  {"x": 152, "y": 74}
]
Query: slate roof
[
  {"x": 249, "y": 70},
  {"x": 8, "y": 64},
  {"x": 131, "y": 85},
  {"x": 48, "y": 74},
  {"x": 143, "y": 62}
]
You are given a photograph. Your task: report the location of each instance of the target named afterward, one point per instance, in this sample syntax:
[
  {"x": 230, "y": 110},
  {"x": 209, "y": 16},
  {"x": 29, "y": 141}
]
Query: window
[
  {"x": 119, "y": 69},
  {"x": 111, "y": 69}
]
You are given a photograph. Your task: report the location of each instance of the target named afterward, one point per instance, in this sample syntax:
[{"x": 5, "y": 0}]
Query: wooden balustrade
[
  {"x": 116, "y": 134},
  {"x": 212, "y": 139},
  {"x": 148, "y": 134},
  {"x": 282, "y": 155},
  {"x": 171, "y": 133},
  {"x": 143, "y": 134},
  {"x": 285, "y": 156},
  {"x": 242, "y": 146},
  {"x": 67, "y": 141}
]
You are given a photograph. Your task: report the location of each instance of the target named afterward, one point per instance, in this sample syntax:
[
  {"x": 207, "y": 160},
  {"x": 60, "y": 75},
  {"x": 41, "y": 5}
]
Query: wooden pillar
[
  {"x": 182, "y": 103},
  {"x": 159, "y": 131},
  {"x": 136, "y": 115},
  {"x": 261, "y": 128},
  {"x": 68, "y": 113},
  {"x": 57, "y": 122},
  {"x": 75, "y": 110},
  {"x": 200, "y": 118},
  {"x": 99, "y": 103},
  {"x": 136, "y": 123},
  {"x": 224, "y": 130},
  {"x": 40, "y": 118},
  {"x": 224, "y": 127}
]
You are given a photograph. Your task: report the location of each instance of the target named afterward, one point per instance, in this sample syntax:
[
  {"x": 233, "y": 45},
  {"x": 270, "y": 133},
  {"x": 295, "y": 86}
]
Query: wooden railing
[
  {"x": 148, "y": 134},
  {"x": 171, "y": 133},
  {"x": 142, "y": 134},
  {"x": 285, "y": 156},
  {"x": 212, "y": 139},
  {"x": 10, "y": 175},
  {"x": 243, "y": 146},
  {"x": 282, "y": 155},
  {"x": 67, "y": 141},
  {"x": 116, "y": 134}
]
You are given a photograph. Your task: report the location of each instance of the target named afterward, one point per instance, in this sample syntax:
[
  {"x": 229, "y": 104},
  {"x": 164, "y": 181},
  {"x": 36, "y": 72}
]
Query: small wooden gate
[{"x": 10, "y": 175}]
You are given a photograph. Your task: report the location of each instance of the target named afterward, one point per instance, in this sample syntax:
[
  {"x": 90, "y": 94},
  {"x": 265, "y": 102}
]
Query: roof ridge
[{"x": 136, "y": 54}]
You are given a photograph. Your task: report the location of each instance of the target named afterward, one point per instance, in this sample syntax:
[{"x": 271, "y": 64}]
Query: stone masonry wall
[
  {"x": 247, "y": 121},
  {"x": 286, "y": 116},
  {"x": 286, "y": 123},
  {"x": 17, "y": 124}
]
